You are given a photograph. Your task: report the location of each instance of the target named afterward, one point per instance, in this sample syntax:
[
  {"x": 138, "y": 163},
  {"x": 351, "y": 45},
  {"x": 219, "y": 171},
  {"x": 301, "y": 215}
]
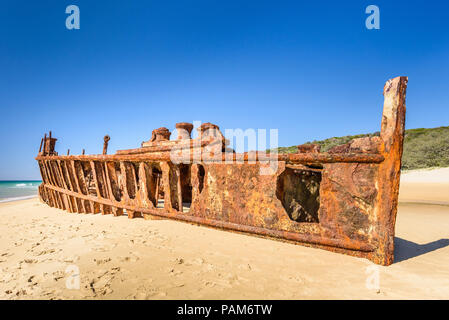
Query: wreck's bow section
[{"x": 344, "y": 200}]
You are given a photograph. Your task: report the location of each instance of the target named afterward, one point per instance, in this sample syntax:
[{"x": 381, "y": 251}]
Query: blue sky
[{"x": 310, "y": 69}]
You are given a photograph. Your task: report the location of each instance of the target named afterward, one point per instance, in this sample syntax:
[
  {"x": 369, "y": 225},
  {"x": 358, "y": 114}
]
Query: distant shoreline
[
  {"x": 16, "y": 190},
  {"x": 17, "y": 199}
]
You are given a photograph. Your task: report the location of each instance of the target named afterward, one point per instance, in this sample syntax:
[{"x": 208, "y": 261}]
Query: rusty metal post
[
  {"x": 392, "y": 135},
  {"x": 40, "y": 147},
  {"x": 105, "y": 144}
]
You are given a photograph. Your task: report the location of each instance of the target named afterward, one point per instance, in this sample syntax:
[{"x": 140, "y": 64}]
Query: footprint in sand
[
  {"x": 131, "y": 258},
  {"x": 29, "y": 261},
  {"x": 177, "y": 285},
  {"x": 48, "y": 251},
  {"x": 178, "y": 260},
  {"x": 226, "y": 280},
  {"x": 230, "y": 278},
  {"x": 209, "y": 267},
  {"x": 160, "y": 294},
  {"x": 8, "y": 277},
  {"x": 101, "y": 283},
  {"x": 102, "y": 261},
  {"x": 140, "y": 296},
  {"x": 72, "y": 259},
  {"x": 21, "y": 293},
  {"x": 293, "y": 279},
  {"x": 58, "y": 275},
  {"x": 104, "y": 248},
  {"x": 6, "y": 254},
  {"x": 34, "y": 245},
  {"x": 101, "y": 235},
  {"x": 174, "y": 272},
  {"x": 144, "y": 291},
  {"x": 201, "y": 262},
  {"x": 197, "y": 261},
  {"x": 209, "y": 284}
]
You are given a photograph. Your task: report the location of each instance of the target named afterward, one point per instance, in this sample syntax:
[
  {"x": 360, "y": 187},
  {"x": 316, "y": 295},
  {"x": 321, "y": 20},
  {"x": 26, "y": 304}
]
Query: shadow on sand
[{"x": 405, "y": 249}]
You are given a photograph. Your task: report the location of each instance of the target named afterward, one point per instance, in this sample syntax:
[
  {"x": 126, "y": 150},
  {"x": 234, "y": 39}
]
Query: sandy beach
[{"x": 117, "y": 258}]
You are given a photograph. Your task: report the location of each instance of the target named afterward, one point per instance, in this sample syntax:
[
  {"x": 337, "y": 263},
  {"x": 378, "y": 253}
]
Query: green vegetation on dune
[{"x": 423, "y": 148}]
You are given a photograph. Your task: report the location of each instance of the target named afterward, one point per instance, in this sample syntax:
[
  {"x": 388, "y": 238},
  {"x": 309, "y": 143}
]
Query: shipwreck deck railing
[{"x": 294, "y": 158}]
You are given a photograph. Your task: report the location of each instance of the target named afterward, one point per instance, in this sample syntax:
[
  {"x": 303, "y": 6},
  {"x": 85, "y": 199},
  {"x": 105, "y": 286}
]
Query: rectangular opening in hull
[{"x": 298, "y": 188}]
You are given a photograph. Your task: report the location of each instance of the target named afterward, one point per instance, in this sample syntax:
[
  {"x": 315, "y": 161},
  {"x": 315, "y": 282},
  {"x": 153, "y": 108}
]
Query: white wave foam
[{"x": 24, "y": 185}]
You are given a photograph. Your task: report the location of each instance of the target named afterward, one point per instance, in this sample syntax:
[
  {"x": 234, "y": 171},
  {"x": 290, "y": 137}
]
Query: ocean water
[{"x": 18, "y": 190}]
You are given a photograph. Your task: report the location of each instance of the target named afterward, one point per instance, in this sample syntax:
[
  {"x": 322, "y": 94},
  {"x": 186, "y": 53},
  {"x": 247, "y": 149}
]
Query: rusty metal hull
[{"x": 344, "y": 200}]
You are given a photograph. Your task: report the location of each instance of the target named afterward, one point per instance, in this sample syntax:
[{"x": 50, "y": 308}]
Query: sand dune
[
  {"x": 425, "y": 186},
  {"x": 41, "y": 247},
  {"x": 440, "y": 175}
]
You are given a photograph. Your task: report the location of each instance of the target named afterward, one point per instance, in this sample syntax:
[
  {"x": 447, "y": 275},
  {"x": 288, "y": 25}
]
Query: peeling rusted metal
[{"x": 344, "y": 200}]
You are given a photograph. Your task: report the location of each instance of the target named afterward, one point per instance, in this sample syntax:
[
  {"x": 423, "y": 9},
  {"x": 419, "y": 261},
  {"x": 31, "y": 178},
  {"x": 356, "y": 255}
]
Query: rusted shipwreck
[{"x": 343, "y": 200}]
